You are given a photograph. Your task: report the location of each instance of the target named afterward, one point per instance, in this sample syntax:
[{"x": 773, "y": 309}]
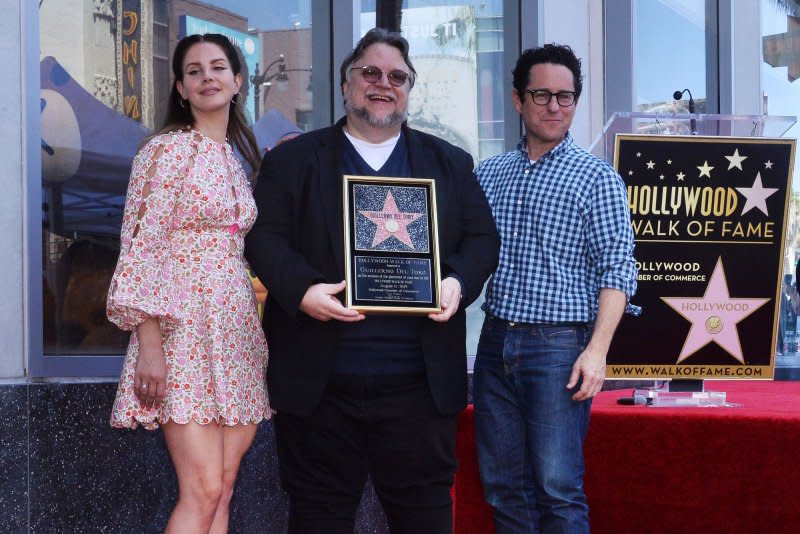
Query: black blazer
[{"x": 298, "y": 241}]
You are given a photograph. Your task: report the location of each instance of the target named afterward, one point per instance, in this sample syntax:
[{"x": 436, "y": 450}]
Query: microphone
[{"x": 677, "y": 95}]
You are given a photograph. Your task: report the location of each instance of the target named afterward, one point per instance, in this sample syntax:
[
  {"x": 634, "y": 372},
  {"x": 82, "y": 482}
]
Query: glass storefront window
[
  {"x": 669, "y": 54},
  {"x": 105, "y": 76},
  {"x": 780, "y": 69}
]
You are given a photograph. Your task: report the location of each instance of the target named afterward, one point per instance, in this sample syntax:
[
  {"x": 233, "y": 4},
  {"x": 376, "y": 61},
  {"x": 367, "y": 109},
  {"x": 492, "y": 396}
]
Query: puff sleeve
[{"x": 143, "y": 285}]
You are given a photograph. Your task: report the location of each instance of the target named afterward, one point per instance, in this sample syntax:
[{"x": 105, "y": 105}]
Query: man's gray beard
[{"x": 395, "y": 119}]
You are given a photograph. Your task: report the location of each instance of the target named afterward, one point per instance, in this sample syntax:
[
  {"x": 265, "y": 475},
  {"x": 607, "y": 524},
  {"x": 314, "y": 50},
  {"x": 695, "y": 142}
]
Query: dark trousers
[{"x": 384, "y": 427}]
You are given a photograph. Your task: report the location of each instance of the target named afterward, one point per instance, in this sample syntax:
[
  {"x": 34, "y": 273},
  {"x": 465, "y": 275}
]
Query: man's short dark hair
[
  {"x": 375, "y": 36},
  {"x": 549, "y": 53}
]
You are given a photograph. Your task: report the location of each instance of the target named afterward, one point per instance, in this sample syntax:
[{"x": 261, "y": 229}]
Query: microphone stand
[{"x": 677, "y": 95}]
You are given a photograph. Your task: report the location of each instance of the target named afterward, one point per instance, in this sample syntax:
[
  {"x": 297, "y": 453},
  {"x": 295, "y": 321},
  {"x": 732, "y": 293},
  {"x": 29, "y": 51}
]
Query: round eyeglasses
[
  {"x": 373, "y": 74},
  {"x": 542, "y": 97}
]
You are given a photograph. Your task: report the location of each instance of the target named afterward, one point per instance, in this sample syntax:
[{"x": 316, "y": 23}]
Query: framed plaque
[{"x": 391, "y": 243}]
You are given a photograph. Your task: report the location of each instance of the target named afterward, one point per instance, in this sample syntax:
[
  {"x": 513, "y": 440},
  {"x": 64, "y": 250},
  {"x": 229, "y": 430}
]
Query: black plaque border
[{"x": 391, "y": 307}]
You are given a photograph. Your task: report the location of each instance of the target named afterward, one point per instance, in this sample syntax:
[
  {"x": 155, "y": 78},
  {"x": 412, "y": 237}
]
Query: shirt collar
[{"x": 560, "y": 148}]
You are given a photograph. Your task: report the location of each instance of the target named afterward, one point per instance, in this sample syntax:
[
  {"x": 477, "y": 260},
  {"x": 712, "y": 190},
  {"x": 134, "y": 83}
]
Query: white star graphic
[
  {"x": 638, "y": 154},
  {"x": 680, "y": 176},
  {"x": 705, "y": 170},
  {"x": 660, "y": 176},
  {"x": 669, "y": 162},
  {"x": 756, "y": 196},
  {"x": 651, "y": 164},
  {"x": 768, "y": 164},
  {"x": 630, "y": 173},
  {"x": 735, "y": 160}
]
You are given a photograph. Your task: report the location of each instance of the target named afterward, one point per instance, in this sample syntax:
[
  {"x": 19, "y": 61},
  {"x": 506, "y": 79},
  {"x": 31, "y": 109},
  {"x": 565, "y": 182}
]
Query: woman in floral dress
[{"x": 197, "y": 355}]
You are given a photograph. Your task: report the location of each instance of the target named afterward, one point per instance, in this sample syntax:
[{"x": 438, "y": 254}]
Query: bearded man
[{"x": 363, "y": 396}]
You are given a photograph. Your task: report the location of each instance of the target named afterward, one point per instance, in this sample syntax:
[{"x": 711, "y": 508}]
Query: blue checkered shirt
[{"x": 565, "y": 233}]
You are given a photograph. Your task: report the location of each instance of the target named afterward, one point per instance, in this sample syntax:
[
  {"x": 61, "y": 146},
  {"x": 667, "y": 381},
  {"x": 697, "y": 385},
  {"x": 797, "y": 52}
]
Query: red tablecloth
[{"x": 676, "y": 470}]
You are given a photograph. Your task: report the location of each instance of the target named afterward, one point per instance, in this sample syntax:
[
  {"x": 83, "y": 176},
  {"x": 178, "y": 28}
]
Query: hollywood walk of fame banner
[
  {"x": 709, "y": 219},
  {"x": 391, "y": 245}
]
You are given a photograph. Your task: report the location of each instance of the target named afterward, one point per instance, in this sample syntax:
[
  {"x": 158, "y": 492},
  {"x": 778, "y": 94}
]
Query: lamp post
[{"x": 264, "y": 78}]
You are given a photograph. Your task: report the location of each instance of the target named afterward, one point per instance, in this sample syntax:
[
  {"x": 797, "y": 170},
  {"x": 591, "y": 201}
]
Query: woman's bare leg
[
  {"x": 197, "y": 452},
  {"x": 236, "y": 440}
]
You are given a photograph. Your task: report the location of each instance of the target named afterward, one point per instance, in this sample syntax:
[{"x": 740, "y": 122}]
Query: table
[{"x": 675, "y": 470}]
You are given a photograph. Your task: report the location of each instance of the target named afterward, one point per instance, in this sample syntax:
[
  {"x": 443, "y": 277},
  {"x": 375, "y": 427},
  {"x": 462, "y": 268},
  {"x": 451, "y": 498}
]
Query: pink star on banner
[
  {"x": 714, "y": 316},
  {"x": 391, "y": 222}
]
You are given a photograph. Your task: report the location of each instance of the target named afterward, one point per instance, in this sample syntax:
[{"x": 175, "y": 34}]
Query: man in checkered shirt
[{"x": 565, "y": 275}]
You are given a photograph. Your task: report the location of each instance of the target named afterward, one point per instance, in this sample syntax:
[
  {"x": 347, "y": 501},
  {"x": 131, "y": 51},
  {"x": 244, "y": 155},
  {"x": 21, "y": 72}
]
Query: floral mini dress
[{"x": 188, "y": 208}]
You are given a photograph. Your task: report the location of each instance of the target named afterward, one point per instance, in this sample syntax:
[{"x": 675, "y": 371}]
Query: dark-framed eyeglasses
[
  {"x": 396, "y": 77},
  {"x": 542, "y": 97}
]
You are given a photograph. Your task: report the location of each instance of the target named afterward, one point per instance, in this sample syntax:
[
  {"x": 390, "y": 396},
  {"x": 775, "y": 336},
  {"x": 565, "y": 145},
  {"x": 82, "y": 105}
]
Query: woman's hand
[{"x": 150, "y": 379}]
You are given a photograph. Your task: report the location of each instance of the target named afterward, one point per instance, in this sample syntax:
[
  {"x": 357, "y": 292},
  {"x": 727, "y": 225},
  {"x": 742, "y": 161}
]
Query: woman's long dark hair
[{"x": 179, "y": 113}]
